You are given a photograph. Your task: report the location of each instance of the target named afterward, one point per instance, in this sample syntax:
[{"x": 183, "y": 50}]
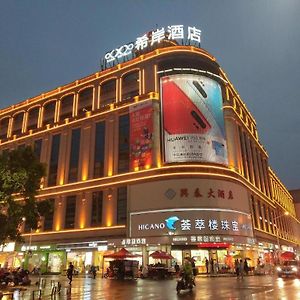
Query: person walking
[
  {"x": 246, "y": 267},
  {"x": 70, "y": 272},
  {"x": 93, "y": 271},
  {"x": 206, "y": 264},
  {"x": 212, "y": 269},
  {"x": 177, "y": 268},
  {"x": 241, "y": 268},
  {"x": 237, "y": 268}
]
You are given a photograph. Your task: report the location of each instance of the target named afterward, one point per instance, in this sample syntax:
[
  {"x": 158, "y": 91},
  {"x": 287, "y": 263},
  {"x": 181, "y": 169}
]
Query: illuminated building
[{"x": 156, "y": 152}]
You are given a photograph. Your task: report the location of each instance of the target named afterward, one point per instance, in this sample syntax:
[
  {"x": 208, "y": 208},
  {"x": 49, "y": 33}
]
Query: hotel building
[{"x": 158, "y": 151}]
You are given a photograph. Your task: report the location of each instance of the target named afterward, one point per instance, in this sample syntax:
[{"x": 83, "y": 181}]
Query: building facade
[
  {"x": 296, "y": 197},
  {"x": 156, "y": 152}
]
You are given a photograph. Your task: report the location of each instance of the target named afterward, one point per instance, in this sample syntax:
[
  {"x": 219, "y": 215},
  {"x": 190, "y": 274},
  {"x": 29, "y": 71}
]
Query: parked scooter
[{"x": 185, "y": 283}]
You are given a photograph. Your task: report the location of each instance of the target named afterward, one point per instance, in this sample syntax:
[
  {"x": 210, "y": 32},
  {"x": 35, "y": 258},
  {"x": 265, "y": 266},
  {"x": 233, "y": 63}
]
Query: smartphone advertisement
[
  {"x": 141, "y": 136},
  {"x": 193, "y": 120}
]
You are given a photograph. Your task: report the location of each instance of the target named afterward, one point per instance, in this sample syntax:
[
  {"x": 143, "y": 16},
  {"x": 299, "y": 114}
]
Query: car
[{"x": 289, "y": 268}]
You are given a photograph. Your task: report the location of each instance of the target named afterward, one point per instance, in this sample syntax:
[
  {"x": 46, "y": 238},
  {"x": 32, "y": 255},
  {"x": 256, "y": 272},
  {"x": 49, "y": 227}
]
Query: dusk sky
[{"x": 46, "y": 44}]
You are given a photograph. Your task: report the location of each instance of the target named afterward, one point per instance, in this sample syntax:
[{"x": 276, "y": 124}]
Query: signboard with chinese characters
[
  {"x": 190, "y": 34},
  {"x": 196, "y": 221},
  {"x": 141, "y": 136},
  {"x": 193, "y": 121},
  {"x": 177, "y": 193}
]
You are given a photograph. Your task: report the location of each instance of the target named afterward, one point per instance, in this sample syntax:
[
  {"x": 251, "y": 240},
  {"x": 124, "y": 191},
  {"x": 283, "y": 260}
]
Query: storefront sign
[
  {"x": 27, "y": 248},
  {"x": 173, "y": 32},
  {"x": 37, "y": 248},
  {"x": 9, "y": 247},
  {"x": 188, "y": 193},
  {"x": 206, "y": 191},
  {"x": 190, "y": 221},
  {"x": 138, "y": 241}
]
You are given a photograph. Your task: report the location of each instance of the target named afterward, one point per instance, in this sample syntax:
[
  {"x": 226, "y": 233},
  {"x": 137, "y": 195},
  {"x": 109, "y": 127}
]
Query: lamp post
[{"x": 286, "y": 213}]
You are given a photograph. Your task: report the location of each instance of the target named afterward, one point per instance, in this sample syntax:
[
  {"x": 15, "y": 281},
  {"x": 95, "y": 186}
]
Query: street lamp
[{"x": 286, "y": 213}]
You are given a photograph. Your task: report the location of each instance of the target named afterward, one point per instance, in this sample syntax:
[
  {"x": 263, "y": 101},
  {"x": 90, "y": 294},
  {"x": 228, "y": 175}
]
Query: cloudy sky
[{"x": 45, "y": 44}]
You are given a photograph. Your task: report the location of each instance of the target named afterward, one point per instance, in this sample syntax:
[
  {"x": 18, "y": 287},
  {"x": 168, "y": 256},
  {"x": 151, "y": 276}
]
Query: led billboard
[{"x": 193, "y": 121}]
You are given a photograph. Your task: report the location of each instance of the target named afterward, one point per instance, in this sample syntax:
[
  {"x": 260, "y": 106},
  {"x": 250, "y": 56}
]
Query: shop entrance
[{"x": 218, "y": 259}]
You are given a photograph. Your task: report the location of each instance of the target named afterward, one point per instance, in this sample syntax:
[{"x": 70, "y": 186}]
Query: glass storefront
[
  {"x": 44, "y": 261},
  {"x": 81, "y": 260},
  {"x": 56, "y": 261}
]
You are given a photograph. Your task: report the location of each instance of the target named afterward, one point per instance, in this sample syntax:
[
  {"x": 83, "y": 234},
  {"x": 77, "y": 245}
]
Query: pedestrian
[
  {"x": 206, "y": 264},
  {"x": 177, "y": 268},
  {"x": 237, "y": 268},
  {"x": 246, "y": 268},
  {"x": 212, "y": 270},
  {"x": 93, "y": 271},
  {"x": 70, "y": 271},
  {"x": 241, "y": 269},
  {"x": 194, "y": 267}
]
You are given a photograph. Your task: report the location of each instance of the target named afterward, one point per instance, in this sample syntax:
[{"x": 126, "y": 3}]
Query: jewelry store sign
[
  {"x": 173, "y": 32},
  {"x": 195, "y": 221}
]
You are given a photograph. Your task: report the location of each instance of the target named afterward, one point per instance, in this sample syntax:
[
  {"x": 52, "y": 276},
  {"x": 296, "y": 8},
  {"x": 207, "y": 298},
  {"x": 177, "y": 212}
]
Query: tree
[{"x": 20, "y": 177}]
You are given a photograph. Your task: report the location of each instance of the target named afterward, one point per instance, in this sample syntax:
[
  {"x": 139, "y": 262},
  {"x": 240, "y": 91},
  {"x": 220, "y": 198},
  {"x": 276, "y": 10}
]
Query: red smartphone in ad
[{"x": 180, "y": 113}]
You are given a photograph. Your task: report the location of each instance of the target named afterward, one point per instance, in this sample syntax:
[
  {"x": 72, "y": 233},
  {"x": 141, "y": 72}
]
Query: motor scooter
[{"x": 185, "y": 283}]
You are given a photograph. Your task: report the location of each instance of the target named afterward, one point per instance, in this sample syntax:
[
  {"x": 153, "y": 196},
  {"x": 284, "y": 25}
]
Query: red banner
[{"x": 141, "y": 136}]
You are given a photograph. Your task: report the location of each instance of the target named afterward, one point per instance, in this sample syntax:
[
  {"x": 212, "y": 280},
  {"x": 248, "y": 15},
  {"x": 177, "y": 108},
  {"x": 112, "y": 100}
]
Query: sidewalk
[{"x": 228, "y": 275}]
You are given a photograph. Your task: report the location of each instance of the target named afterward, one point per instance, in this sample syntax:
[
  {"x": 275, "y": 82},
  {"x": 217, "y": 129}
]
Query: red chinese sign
[{"x": 209, "y": 193}]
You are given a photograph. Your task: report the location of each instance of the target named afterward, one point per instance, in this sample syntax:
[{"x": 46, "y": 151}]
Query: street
[{"x": 252, "y": 287}]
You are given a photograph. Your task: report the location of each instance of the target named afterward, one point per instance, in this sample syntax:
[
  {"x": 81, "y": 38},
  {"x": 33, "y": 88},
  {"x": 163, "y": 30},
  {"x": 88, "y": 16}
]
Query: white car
[{"x": 289, "y": 268}]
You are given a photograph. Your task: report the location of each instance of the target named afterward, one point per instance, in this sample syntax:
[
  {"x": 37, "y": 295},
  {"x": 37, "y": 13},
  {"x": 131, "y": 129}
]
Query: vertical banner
[
  {"x": 193, "y": 120},
  {"x": 141, "y": 136}
]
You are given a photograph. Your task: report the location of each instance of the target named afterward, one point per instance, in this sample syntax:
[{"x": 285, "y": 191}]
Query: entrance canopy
[
  {"x": 121, "y": 254},
  {"x": 161, "y": 255},
  {"x": 288, "y": 255}
]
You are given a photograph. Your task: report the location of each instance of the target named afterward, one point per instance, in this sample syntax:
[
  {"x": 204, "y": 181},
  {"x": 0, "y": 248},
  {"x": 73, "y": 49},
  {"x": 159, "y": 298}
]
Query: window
[
  {"x": 66, "y": 107},
  {"x": 123, "y": 159},
  {"x": 48, "y": 219},
  {"x": 122, "y": 206},
  {"x": 49, "y": 111},
  {"x": 27, "y": 227},
  {"x": 33, "y": 116},
  {"x": 247, "y": 156},
  {"x": 85, "y": 101},
  {"x": 74, "y": 155},
  {"x": 254, "y": 215},
  {"x": 99, "y": 150},
  {"x": 96, "y": 218},
  {"x": 53, "y": 165},
  {"x": 17, "y": 123},
  {"x": 4, "y": 128},
  {"x": 266, "y": 219},
  {"x": 70, "y": 212},
  {"x": 108, "y": 93},
  {"x": 130, "y": 86},
  {"x": 37, "y": 148},
  {"x": 271, "y": 215},
  {"x": 261, "y": 217},
  {"x": 243, "y": 152}
]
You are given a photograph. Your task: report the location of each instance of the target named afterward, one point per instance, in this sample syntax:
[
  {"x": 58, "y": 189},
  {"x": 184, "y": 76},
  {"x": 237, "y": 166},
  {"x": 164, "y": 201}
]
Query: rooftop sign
[{"x": 191, "y": 35}]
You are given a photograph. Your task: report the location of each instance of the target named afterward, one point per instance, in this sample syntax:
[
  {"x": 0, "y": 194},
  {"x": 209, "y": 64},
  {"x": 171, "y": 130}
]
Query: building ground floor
[{"x": 211, "y": 253}]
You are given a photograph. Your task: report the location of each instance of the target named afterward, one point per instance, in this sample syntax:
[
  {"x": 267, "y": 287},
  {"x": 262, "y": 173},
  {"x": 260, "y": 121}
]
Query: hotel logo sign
[{"x": 191, "y": 34}]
